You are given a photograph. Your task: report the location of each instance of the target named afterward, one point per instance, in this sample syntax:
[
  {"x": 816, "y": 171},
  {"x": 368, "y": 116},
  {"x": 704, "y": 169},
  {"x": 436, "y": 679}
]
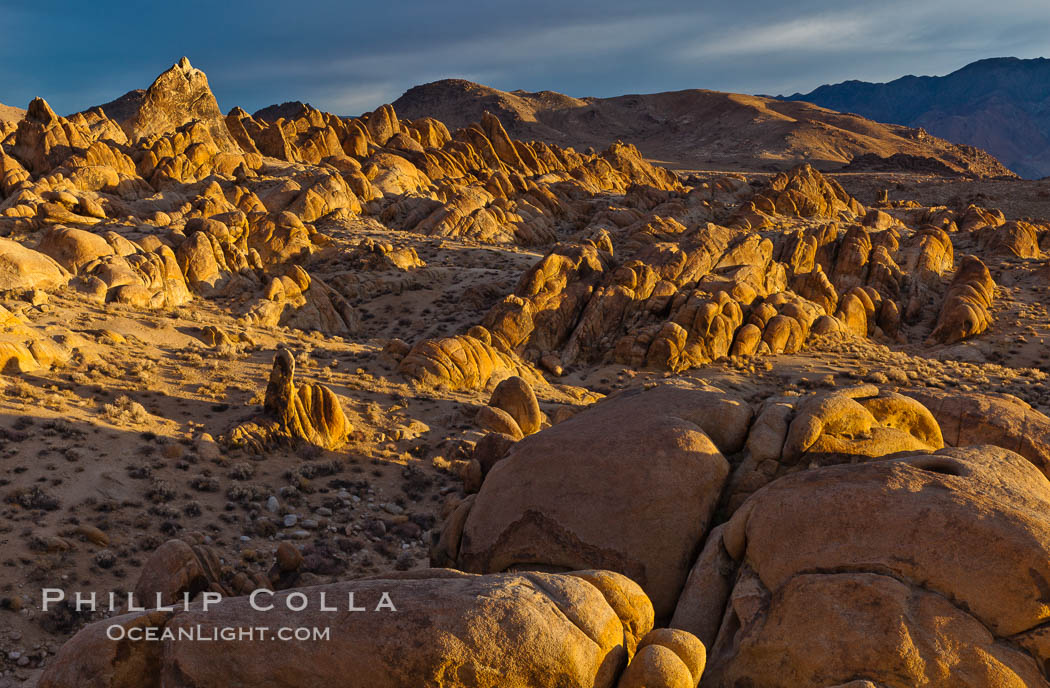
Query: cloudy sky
[{"x": 348, "y": 57}]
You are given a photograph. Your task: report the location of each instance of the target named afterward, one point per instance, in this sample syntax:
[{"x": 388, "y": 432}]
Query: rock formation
[
  {"x": 693, "y": 298},
  {"x": 966, "y": 303},
  {"x": 534, "y": 509},
  {"x": 177, "y": 97},
  {"x": 785, "y": 427},
  {"x": 304, "y": 412},
  {"x": 846, "y": 557},
  {"x": 514, "y": 629},
  {"x": 24, "y": 268}
]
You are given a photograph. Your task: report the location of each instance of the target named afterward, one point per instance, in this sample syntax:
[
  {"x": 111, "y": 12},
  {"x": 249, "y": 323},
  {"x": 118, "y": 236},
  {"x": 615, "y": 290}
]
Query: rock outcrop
[
  {"x": 308, "y": 412},
  {"x": 515, "y": 397},
  {"x": 26, "y": 349},
  {"x": 441, "y": 628},
  {"x": 540, "y": 507},
  {"x": 177, "y": 97},
  {"x": 462, "y": 362},
  {"x": 807, "y": 583},
  {"x": 985, "y": 419},
  {"x": 23, "y": 268},
  {"x": 965, "y": 311},
  {"x": 855, "y": 424},
  {"x": 645, "y": 292}
]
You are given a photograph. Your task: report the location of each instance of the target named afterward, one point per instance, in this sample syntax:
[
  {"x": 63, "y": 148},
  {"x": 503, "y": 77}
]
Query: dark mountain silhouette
[{"x": 1001, "y": 105}]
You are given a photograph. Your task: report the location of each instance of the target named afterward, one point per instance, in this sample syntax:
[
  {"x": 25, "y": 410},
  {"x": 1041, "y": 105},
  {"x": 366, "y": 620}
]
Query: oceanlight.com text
[{"x": 200, "y": 633}]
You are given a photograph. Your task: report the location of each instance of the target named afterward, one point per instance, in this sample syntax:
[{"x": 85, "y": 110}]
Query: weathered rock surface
[
  {"x": 515, "y": 397},
  {"x": 24, "y": 268},
  {"x": 450, "y": 629},
  {"x": 178, "y": 96},
  {"x": 461, "y": 362},
  {"x": 985, "y": 419},
  {"x": 854, "y": 424},
  {"x": 26, "y": 349},
  {"x": 965, "y": 311},
  {"x": 901, "y": 572},
  {"x": 666, "y": 657},
  {"x": 550, "y": 503}
]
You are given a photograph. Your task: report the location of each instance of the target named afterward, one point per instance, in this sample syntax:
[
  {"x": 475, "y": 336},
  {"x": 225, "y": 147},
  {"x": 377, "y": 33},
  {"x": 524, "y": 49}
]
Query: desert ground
[{"x": 790, "y": 424}]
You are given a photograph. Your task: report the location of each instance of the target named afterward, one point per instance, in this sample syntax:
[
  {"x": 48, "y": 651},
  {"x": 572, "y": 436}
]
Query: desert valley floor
[{"x": 799, "y": 417}]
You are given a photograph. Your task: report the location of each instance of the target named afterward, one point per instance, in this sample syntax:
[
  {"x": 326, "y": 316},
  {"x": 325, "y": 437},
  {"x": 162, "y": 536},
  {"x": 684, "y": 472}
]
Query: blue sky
[{"x": 349, "y": 57}]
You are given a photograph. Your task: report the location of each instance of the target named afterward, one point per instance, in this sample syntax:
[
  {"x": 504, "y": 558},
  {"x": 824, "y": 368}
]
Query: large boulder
[
  {"x": 74, "y": 248},
  {"x": 309, "y": 412},
  {"x": 666, "y": 658},
  {"x": 801, "y": 192},
  {"x": 1006, "y": 422},
  {"x": 628, "y": 485},
  {"x": 931, "y": 569},
  {"x": 860, "y": 422},
  {"x": 1011, "y": 240},
  {"x": 25, "y": 348},
  {"x": 178, "y": 571},
  {"x": 449, "y": 630},
  {"x": 24, "y": 268},
  {"x": 300, "y": 300},
  {"x": 462, "y": 362},
  {"x": 196, "y": 258},
  {"x": 966, "y": 310},
  {"x": 845, "y": 425},
  {"x": 516, "y": 397}
]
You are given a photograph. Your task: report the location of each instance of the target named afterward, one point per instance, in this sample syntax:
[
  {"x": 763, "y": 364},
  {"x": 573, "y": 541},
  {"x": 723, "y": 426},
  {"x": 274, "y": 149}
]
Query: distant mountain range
[
  {"x": 1001, "y": 105},
  {"x": 698, "y": 129}
]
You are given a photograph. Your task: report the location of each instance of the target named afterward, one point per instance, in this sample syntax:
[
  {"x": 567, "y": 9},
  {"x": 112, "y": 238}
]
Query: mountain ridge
[
  {"x": 694, "y": 128},
  {"x": 1000, "y": 104}
]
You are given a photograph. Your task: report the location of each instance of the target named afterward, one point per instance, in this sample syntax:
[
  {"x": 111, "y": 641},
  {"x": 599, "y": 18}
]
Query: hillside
[
  {"x": 1001, "y": 105},
  {"x": 10, "y": 114},
  {"x": 692, "y": 129}
]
